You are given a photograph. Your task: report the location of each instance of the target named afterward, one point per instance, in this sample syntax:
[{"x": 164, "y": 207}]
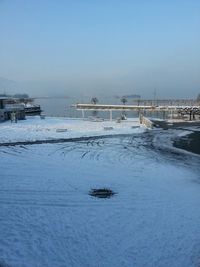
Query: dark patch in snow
[
  {"x": 101, "y": 193},
  {"x": 190, "y": 142},
  {"x": 61, "y": 140}
]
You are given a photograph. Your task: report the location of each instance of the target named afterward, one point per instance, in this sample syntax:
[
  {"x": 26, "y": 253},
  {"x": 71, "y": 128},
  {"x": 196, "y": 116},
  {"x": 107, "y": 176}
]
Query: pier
[{"x": 179, "y": 111}]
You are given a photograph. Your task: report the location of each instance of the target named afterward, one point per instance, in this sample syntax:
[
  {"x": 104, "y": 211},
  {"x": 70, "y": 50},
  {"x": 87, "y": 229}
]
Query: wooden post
[{"x": 110, "y": 115}]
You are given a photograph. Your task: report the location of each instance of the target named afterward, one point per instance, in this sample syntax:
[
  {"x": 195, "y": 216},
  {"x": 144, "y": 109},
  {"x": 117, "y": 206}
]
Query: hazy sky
[{"x": 102, "y": 46}]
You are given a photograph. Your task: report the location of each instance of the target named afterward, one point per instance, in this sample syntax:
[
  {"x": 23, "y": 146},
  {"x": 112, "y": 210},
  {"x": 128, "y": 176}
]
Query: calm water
[
  {"x": 57, "y": 107},
  {"x": 62, "y": 107}
]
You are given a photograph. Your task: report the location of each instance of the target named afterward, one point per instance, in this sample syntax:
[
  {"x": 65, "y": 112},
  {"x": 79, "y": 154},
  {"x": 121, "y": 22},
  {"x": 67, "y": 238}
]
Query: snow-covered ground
[
  {"x": 34, "y": 128},
  {"x": 48, "y": 219}
]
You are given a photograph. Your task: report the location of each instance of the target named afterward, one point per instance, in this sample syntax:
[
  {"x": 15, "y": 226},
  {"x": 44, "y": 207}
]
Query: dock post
[
  {"x": 83, "y": 114},
  {"x": 140, "y": 117},
  {"x": 110, "y": 115}
]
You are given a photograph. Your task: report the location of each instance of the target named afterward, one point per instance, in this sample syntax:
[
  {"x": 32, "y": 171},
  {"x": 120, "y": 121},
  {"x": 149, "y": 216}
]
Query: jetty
[{"x": 174, "y": 111}]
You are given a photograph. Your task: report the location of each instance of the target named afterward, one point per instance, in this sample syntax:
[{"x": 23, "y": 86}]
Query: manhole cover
[{"x": 101, "y": 193}]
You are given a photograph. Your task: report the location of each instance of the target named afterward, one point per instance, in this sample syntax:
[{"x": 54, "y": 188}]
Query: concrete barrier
[{"x": 146, "y": 122}]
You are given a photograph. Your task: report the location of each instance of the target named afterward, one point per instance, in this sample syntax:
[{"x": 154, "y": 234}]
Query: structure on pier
[{"x": 181, "y": 111}]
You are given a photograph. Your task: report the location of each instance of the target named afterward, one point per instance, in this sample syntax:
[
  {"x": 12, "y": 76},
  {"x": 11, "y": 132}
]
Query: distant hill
[{"x": 8, "y": 86}]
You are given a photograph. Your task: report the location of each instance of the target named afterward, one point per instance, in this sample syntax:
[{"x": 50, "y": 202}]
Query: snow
[
  {"x": 184, "y": 133},
  {"x": 34, "y": 128},
  {"x": 48, "y": 219}
]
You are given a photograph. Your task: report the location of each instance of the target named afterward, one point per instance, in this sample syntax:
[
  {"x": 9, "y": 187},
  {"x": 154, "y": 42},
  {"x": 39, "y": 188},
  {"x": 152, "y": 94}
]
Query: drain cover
[{"x": 101, "y": 193}]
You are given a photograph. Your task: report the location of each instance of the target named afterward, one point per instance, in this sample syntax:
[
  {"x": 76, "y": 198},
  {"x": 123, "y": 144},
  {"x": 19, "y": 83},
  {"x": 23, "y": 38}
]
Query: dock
[{"x": 180, "y": 110}]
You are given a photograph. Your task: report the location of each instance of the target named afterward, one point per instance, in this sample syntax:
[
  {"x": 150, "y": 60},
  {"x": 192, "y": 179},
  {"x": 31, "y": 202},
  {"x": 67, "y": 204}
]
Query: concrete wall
[{"x": 146, "y": 122}]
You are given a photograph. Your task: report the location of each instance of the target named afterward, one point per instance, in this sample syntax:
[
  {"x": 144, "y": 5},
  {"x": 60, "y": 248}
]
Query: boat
[{"x": 32, "y": 109}]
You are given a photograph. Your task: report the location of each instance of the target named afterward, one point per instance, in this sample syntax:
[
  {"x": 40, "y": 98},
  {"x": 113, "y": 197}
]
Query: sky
[{"x": 102, "y": 47}]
